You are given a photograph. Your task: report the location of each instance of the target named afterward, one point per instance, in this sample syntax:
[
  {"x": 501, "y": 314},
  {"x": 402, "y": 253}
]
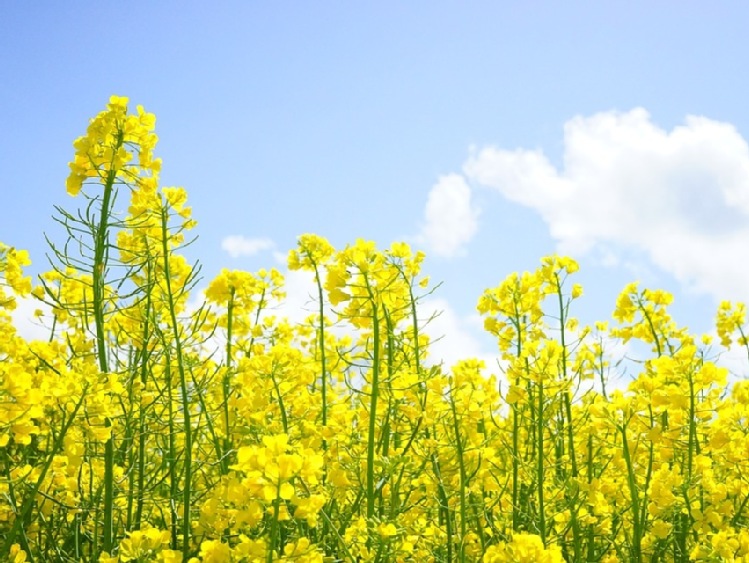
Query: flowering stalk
[
  {"x": 463, "y": 478},
  {"x": 375, "y": 390},
  {"x": 186, "y": 415}
]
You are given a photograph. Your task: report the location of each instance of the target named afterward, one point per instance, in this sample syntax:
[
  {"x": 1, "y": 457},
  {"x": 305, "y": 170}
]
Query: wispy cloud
[
  {"x": 680, "y": 196},
  {"x": 238, "y": 245}
]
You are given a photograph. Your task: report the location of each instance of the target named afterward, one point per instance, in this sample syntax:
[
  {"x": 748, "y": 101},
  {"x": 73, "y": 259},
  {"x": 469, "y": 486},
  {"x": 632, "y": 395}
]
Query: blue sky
[{"x": 487, "y": 133}]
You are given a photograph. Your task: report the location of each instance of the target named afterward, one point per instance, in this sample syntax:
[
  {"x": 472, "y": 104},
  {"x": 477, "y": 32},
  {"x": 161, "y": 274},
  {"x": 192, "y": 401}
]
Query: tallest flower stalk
[{"x": 105, "y": 156}]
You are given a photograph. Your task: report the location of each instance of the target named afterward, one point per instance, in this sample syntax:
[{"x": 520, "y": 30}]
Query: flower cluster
[{"x": 144, "y": 428}]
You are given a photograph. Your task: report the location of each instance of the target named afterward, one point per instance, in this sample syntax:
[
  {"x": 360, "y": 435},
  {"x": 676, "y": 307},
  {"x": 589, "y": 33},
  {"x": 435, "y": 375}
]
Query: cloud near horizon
[
  {"x": 238, "y": 245},
  {"x": 681, "y": 197},
  {"x": 450, "y": 217}
]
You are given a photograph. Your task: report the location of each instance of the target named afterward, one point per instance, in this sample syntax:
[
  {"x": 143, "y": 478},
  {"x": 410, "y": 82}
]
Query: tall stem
[
  {"x": 323, "y": 359},
  {"x": 226, "y": 384},
  {"x": 540, "y": 463},
  {"x": 634, "y": 496},
  {"x": 99, "y": 280},
  {"x": 187, "y": 490},
  {"x": 373, "y": 414},
  {"x": 463, "y": 477}
]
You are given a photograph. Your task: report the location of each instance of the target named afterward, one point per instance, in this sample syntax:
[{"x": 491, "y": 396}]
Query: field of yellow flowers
[{"x": 142, "y": 429}]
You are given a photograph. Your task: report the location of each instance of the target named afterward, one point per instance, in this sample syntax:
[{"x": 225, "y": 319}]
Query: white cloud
[
  {"x": 27, "y": 324},
  {"x": 280, "y": 258},
  {"x": 237, "y": 245},
  {"x": 735, "y": 360},
  {"x": 679, "y": 196},
  {"x": 450, "y": 218},
  {"x": 297, "y": 305},
  {"x": 301, "y": 296},
  {"x": 453, "y": 337}
]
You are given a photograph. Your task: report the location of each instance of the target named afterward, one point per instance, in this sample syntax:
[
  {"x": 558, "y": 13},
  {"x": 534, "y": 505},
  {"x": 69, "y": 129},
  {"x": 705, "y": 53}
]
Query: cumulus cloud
[
  {"x": 680, "y": 196},
  {"x": 238, "y": 245},
  {"x": 450, "y": 217}
]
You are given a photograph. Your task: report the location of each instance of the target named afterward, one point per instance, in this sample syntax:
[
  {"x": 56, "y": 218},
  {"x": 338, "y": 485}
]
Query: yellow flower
[
  {"x": 17, "y": 555},
  {"x": 214, "y": 551},
  {"x": 311, "y": 253},
  {"x": 661, "y": 529},
  {"x": 170, "y": 556},
  {"x": 142, "y": 543},
  {"x": 387, "y": 530},
  {"x": 577, "y": 290}
]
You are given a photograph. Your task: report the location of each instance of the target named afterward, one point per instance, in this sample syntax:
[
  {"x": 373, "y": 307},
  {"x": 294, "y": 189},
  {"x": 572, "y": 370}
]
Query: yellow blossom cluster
[{"x": 145, "y": 428}]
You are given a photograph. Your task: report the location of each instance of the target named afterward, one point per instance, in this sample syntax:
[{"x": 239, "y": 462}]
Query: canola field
[{"x": 147, "y": 429}]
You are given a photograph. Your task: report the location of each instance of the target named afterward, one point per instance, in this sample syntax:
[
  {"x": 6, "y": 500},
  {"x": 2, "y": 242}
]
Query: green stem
[
  {"x": 144, "y": 372},
  {"x": 516, "y": 443},
  {"x": 274, "y": 525},
  {"x": 568, "y": 414},
  {"x": 172, "y": 461},
  {"x": 324, "y": 390},
  {"x": 187, "y": 490},
  {"x": 634, "y": 496},
  {"x": 540, "y": 462},
  {"x": 444, "y": 508},
  {"x": 373, "y": 413},
  {"x": 323, "y": 359},
  {"x": 281, "y": 406},
  {"x": 463, "y": 478},
  {"x": 99, "y": 274},
  {"x": 591, "y": 529},
  {"x": 223, "y": 455}
]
